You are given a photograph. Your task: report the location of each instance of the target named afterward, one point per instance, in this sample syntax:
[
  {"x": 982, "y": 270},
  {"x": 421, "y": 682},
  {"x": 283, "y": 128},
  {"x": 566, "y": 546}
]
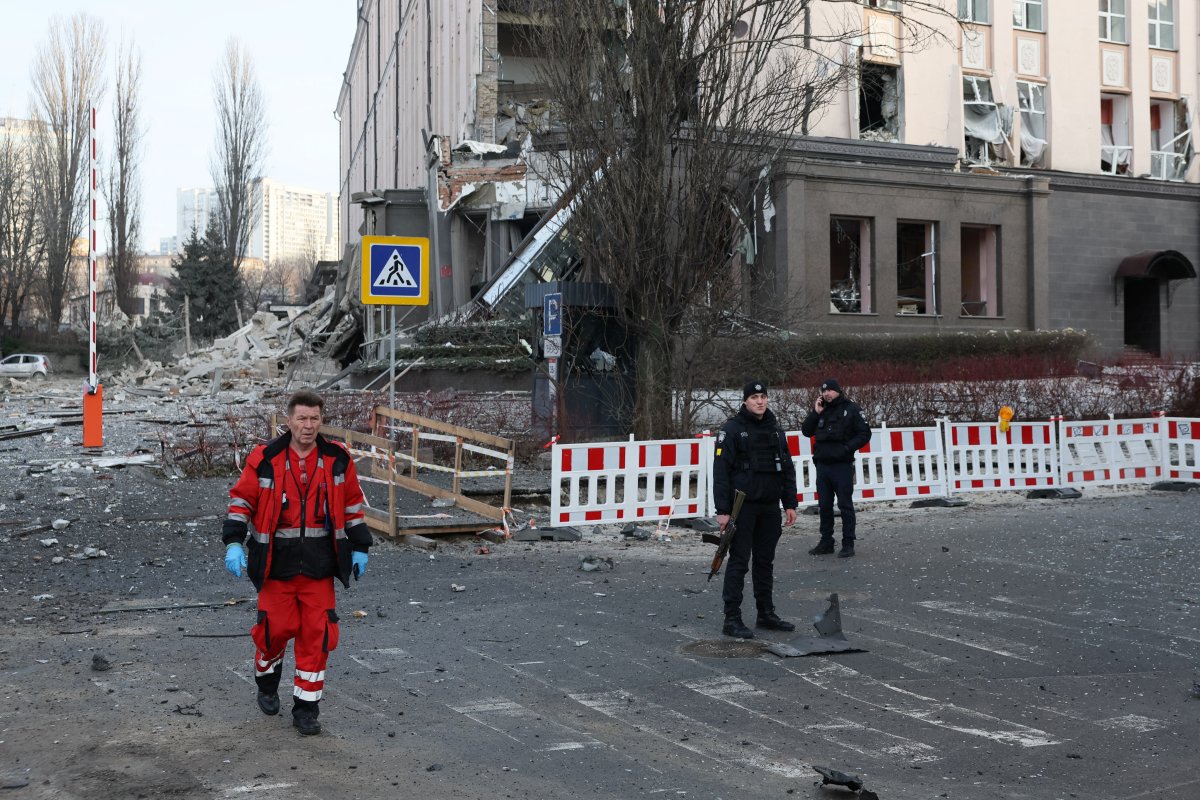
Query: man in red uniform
[{"x": 301, "y": 494}]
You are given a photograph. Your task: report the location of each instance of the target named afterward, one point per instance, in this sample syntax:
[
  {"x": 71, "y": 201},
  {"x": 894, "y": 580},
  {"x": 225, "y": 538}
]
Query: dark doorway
[{"x": 1142, "y": 324}]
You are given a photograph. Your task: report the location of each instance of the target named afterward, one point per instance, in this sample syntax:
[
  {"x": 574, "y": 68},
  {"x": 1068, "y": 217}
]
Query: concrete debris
[
  {"x": 60, "y": 524},
  {"x": 262, "y": 351},
  {"x": 457, "y": 587},
  {"x": 443, "y": 502},
  {"x": 595, "y": 563},
  {"x": 48, "y": 542},
  {"x": 89, "y": 552}
]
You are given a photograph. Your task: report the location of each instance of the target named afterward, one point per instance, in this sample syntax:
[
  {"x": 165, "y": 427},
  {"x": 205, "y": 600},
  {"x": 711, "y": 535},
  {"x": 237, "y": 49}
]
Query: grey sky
[{"x": 300, "y": 49}]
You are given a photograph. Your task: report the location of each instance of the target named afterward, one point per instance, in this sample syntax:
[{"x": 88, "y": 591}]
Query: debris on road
[
  {"x": 595, "y": 563},
  {"x": 830, "y": 638},
  {"x": 835, "y": 778},
  {"x": 100, "y": 663}
]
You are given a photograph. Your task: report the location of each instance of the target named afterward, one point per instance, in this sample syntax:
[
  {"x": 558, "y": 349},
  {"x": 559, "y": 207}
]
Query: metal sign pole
[{"x": 392, "y": 367}]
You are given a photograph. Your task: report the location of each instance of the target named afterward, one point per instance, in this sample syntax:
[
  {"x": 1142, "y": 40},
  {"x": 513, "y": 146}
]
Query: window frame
[
  {"x": 1108, "y": 16},
  {"x": 930, "y": 277},
  {"x": 883, "y": 5},
  {"x": 970, "y": 11},
  {"x": 987, "y": 276},
  {"x": 1158, "y": 26},
  {"x": 860, "y": 289},
  {"x": 1040, "y": 5},
  {"x": 1025, "y": 105}
]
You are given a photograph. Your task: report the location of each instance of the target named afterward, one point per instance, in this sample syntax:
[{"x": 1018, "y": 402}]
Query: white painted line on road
[
  {"x": 388, "y": 651},
  {"x": 366, "y": 664},
  {"x": 523, "y": 725},
  {"x": 690, "y": 734},
  {"x": 262, "y": 787},
  {"x": 1132, "y": 722},
  {"x": 841, "y": 732},
  {"x": 967, "y": 638},
  {"x": 911, "y": 657},
  {"x": 570, "y": 746},
  {"x": 1110, "y": 630},
  {"x": 926, "y": 709}
]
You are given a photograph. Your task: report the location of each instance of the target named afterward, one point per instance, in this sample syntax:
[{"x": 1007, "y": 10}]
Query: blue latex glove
[
  {"x": 235, "y": 559},
  {"x": 358, "y": 563}
]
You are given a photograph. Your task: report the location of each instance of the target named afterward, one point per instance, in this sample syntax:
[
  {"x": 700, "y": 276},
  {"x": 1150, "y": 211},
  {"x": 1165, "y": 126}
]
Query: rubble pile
[{"x": 262, "y": 352}]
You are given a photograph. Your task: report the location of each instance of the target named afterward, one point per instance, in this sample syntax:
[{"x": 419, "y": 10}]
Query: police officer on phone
[
  {"x": 752, "y": 455},
  {"x": 838, "y": 429}
]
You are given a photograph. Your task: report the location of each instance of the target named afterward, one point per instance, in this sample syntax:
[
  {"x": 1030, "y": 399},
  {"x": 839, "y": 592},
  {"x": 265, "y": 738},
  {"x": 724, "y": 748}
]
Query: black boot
[
  {"x": 770, "y": 620},
  {"x": 304, "y": 717},
  {"x": 736, "y": 628},
  {"x": 847, "y": 550},
  {"x": 823, "y": 548},
  {"x": 268, "y": 691},
  {"x": 268, "y": 702}
]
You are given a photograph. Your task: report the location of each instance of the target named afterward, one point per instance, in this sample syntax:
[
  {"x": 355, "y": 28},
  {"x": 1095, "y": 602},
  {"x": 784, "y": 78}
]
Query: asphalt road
[
  {"x": 1049, "y": 653},
  {"x": 1015, "y": 649}
]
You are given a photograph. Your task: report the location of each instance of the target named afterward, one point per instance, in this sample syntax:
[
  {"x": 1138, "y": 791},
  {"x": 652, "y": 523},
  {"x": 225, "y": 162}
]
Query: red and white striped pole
[{"x": 93, "y": 395}]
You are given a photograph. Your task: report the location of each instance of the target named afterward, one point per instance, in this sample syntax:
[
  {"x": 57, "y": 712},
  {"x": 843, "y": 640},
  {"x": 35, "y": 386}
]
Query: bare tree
[
  {"x": 20, "y": 235},
  {"x": 240, "y": 148},
  {"x": 67, "y": 79},
  {"x": 671, "y": 115},
  {"x": 122, "y": 184}
]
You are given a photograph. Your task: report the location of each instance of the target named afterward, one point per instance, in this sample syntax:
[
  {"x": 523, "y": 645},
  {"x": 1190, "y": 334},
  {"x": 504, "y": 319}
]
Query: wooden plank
[
  {"x": 465, "y": 503},
  {"x": 442, "y": 427}
]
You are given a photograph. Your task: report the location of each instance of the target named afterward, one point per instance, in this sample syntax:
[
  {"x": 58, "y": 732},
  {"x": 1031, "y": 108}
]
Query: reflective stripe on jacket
[{"x": 257, "y": 499}]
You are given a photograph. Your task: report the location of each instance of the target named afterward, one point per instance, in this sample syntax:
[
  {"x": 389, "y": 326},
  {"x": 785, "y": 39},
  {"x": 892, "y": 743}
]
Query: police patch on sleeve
[{"x": 720, "y": 437}]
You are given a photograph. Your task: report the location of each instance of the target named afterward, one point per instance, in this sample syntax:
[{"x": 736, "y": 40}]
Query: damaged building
[{"x": 1032, "y": 167}]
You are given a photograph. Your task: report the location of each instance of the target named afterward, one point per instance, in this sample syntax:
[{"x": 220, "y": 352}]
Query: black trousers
[
  {"x": 836, "y": 480},
  {"x": 759, "y": 527}
]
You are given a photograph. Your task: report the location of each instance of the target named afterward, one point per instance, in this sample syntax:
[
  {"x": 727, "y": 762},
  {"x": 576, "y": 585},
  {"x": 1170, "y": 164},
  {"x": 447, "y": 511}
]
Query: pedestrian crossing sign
[{"x": 395, "y": 270}]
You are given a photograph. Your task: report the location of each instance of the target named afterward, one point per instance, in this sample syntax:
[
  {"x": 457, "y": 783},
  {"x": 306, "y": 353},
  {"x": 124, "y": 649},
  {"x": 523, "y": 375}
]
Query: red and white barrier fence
[
  {"x": 982, "y": 458},
  {"x": 1112, "y": 452},
  {"x": 896, "y": 463},
  {"x": 630, "y": 481},
  {"x": 607, "y": 482},
  {"x": 1182, "y": 457}
]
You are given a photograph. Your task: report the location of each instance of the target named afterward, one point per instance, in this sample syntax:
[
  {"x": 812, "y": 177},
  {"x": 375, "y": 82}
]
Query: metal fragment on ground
[
  {"x": 834, "y": 777},
  {"x": 830, "y": 638}
]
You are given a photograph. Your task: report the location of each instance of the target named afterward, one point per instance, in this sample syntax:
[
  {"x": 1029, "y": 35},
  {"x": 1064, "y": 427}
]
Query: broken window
[
  {"x": 1112, "y": 21},
  {"x": 975, "y": 11},
  {"x": 850, "y": 265},
  {"x": 886, "y": 5},
  {"x": 1028, "y": 15},
  {"x": 978, "y": 274},
  {"x": 916, "y": 268},
  {"x": 1170, "y": 140},
  {"x": 1162, "y": 24},
  {"x": 1031, "y": 98},
  {"x": 1115, "y": 150},
  {"x": 987, "y": 125},
  {"x": 879, "y": 102}
]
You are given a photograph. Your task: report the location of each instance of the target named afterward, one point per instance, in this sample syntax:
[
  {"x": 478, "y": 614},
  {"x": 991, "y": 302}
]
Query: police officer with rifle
[{"x": 752, "y": 457}]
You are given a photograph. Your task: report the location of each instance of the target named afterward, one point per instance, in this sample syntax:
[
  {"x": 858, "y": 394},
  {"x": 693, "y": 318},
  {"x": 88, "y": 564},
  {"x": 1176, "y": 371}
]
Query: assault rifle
[{"x": 727, "y": 535}]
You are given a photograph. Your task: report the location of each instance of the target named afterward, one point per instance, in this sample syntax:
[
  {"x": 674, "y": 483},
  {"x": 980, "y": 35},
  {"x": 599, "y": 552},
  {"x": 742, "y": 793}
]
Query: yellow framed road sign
[{"x": 395, "y": 270}]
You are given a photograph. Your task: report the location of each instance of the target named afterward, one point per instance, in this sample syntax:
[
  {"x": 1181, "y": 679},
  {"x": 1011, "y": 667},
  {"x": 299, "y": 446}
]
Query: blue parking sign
[{"x": 552, "y": 314}]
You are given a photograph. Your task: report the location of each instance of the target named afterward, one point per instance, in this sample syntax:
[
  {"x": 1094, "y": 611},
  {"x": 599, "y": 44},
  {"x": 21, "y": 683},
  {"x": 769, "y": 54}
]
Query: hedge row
[{"x": 792, "y": 359}]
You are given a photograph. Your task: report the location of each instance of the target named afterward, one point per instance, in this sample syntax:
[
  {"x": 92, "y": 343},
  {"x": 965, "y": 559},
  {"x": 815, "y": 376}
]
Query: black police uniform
[
  {"x": 838, "y": 432},
  {"x": 752, "y": 455}
]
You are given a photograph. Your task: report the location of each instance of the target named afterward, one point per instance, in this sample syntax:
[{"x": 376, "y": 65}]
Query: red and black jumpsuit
[{"x": 307, "y": 517}]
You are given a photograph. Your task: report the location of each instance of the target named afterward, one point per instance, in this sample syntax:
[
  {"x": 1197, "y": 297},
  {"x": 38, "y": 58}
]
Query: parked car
[{"x": 25, "y": 365}]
